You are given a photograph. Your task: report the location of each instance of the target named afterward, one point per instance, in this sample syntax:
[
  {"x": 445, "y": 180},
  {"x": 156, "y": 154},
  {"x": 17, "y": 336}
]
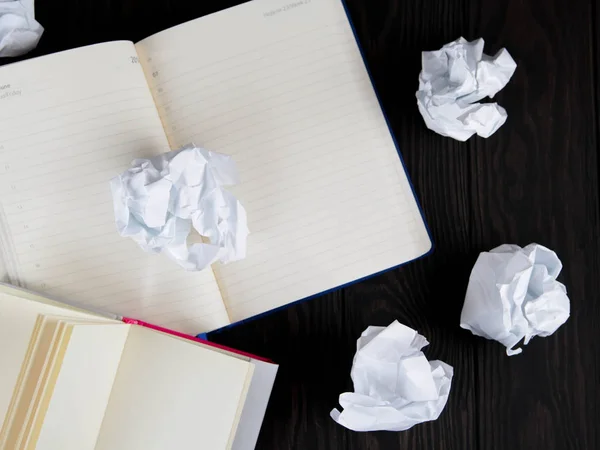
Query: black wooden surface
[{"x": 535, "y": 180}]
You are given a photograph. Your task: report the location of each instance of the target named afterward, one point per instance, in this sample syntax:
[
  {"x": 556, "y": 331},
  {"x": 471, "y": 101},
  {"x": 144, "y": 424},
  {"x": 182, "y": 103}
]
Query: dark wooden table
[{"x": 536, "y": 180}]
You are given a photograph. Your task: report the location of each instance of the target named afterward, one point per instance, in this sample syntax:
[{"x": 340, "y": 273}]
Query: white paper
[
  {"x": 157, "y": 202},
  {"x": 19, "y": 31},
  {"x": 453, "y": 79},
  {"x": 395, "y": 387},
  {"x": 513, "y": 295}
]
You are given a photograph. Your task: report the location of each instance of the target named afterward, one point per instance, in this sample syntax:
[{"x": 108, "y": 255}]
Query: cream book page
[
  {"x": 281, "y": 86},
  {"x": 79, "y": 389},
  {"x": 18, "y": 317},
  {"x": 171, "y": 394},
  {"x": 28, "y": 391},
  {"x": 69, "y": 122}
]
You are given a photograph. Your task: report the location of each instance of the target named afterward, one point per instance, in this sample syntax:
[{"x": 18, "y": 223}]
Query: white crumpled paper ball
[
  {"x": 158, "y": 201},
  {"x": 19, "y": 31},
  {"x": 513, "y": 295},
  {"x": 453, "y": 79},
  {"x": 395, "y": 387}
]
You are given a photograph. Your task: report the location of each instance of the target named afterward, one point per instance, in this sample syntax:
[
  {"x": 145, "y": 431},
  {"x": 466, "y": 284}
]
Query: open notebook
[
  {"x": 279, "y": 85},
  {"x": 73, "y": 380}
]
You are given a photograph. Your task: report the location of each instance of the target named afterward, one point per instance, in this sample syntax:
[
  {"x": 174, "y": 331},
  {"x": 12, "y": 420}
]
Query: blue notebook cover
[{"x": 206, "y": 336}]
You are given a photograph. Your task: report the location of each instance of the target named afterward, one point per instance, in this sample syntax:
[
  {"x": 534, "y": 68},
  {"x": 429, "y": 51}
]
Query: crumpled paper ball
[
  {"x": 453, "y": 79},
  {"x": 19, "y": 31},
  {"x": 395, "y": 387},
  {"x": 157, "y": 201},
  {"x": 513, "y": 295}
]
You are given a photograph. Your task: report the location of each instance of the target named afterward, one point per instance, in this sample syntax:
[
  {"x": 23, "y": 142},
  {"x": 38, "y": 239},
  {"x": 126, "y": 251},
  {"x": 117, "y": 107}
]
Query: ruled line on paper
[
  {"x": 254, "y": 112},
  {"x": 126, "y": 294},
  {"x": 133, "y": 268},
  {"x": 25, "y": 158},
  {"x": 318, "y": 205},
  {"x": 53, "y": 83},
  {"x": 264, "y": 100},
  {"x": 194, "y": 323},
  {"x": 314, "y": 176},
  {"x": 315, "y": 141},
  {"x": 310, "y": 238},
  {"x": 202, "y": 88},
  {"x": 318, "y": 216},
  {"x": 14, "y": 167},
  {"x": 210, "y": 91},
  {"x": 132, "y": 264},
  {"x": 143, "y": 306},
  {"x": 63, "y": 247},
  {"x": 109, "y": 114},
  {"x": 166, "y": 320},
  {"x": 97, "y": 279},
  {"x": 299, "y": 279},
  {"x": 211, "y": 141},
  {"x": 48, "y": 252},
  {"x": 122, "y": 155},
  {"x": 160, "y": 300},
  {"x": 62, "y": 185},
  {"x": 331, "y": 188},
  {"x": 87, "y": 110},
  {"x": 68, "y": 233},
  {"x": 160, "y": 294},
  {"x": 93, "y": 194},
  {"x": 154, "y": 309},
  {"x": 58, "y": 106},
  {"x": 237, "y": 55},
  {"x": 253, "y": 277}
]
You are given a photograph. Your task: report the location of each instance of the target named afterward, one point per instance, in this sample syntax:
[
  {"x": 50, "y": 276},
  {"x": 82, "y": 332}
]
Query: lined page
[
  {"x": 69, "y": 123},
  {"x": 289, "y": 97}
]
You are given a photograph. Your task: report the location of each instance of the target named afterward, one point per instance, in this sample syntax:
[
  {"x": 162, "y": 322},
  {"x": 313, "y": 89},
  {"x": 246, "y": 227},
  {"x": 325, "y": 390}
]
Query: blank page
[
  {"x": 172, "y": 394},
  {"x": 70, "y": 122},
  {"x": 82, "y": 389},
  {"x": 23, "y": 417},
  {"x": 18, "y": 317},
  {"x": 288, "y": 95},
  {"x": 44, "y": 344}
]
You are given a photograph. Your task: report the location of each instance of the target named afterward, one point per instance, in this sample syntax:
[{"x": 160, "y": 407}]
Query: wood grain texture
[{"x": 536, "y": 180}]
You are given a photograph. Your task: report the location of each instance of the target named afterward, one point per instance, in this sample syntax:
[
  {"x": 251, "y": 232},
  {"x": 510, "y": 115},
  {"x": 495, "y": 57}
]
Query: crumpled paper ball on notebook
[
  {"x": 19, "y": 31},
  {"x": 453, "y": 79},
  {"x": 157, "y": 201},
  {"x": 513, "y": 295},
  {"x": 395, "y": 387}
]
